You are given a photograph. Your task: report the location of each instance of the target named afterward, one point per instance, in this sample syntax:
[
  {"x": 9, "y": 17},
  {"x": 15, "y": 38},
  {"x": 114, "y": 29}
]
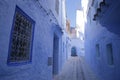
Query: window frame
[
  {"x": 17, "y": 9},
  {"x": 110, "y": 56},
  {"x": 97, "y": 47}
]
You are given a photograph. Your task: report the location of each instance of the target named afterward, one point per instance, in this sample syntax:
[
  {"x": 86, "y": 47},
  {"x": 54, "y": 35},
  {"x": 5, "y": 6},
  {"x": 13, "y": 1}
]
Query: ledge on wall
[{"x": 100, "y": 10}]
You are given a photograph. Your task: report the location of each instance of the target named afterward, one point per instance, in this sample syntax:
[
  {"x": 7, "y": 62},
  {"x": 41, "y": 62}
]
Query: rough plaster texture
[
  {"x": 42, "y": 43},
  {"x": 98, "y": 33}
]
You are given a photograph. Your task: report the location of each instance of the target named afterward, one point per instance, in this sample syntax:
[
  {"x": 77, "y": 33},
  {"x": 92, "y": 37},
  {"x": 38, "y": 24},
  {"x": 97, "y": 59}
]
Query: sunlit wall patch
[{"x": 21, "y": 39}]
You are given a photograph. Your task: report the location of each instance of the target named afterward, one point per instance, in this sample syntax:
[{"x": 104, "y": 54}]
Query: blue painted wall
[
  {"x": 38, "y": 69},
  {"x": 102, "y": 32}
]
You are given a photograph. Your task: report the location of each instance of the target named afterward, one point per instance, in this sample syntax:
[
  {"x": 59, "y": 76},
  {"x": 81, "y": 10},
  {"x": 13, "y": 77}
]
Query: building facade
[
  {"x": 31, "y": 39},
  {"x": 102, "y": 38}
]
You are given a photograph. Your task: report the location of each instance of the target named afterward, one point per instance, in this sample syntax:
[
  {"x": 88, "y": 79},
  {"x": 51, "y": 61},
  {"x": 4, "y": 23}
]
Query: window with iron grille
[
  {"x": 57, "y": 6},
  {"x": 21, "y": 38}
]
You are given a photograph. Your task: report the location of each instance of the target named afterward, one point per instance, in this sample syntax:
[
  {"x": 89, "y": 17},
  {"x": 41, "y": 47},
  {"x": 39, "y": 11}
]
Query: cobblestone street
[{"x": 76, "y": 69}]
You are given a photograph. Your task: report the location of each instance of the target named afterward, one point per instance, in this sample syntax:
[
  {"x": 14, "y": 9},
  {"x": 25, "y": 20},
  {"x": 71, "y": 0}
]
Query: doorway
[{"x": 55, "y": 55}]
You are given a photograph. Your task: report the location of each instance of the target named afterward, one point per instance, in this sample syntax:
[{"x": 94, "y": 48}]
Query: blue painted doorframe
[
  {"x": 55, "y": 55},
  {"x": 57, "y": 34}
]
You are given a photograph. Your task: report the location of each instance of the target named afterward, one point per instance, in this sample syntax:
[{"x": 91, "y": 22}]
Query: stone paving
[{"x": 76, "y": 69}]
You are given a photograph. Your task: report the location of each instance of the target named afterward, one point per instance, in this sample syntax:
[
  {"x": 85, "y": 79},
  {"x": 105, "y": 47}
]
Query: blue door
[
  {"x": 73, "y": 51},
  {"x": 55, "y": 54}
]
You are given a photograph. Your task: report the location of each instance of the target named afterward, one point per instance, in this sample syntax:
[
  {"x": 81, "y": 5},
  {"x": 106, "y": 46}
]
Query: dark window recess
[
  {"x": 57, "y": 6},
  {"x": 110, "y": 54},
  {"x": 97, "y": 50},
  {"x": 21, "y": 38},
  {"x": 63, "y": 47}
]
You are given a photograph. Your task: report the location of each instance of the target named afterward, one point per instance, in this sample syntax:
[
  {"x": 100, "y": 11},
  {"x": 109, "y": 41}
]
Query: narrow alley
[
  {"x": 76, "y": 69},
  {"x": 59, "y": 39}
]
